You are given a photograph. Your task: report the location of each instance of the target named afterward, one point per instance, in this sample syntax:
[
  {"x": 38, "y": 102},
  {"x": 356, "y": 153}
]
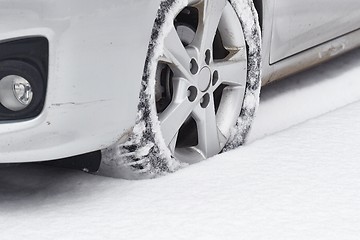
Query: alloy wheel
[{"x": 201, "y": 79}]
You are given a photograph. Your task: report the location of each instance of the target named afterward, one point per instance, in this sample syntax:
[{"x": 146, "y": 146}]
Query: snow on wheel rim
[
  {"x": 201, "y": 79},
  {"x": 142, "y": 152}
]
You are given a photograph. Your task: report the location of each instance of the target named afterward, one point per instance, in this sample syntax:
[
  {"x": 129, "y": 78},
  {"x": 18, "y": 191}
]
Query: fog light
[
  {"x": 23, "y": 78},
  {"x": 15, "y": 93}
]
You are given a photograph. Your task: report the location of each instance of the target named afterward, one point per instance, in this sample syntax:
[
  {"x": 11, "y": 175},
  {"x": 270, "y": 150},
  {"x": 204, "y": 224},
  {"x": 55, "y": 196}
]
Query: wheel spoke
[
  {"x": 209, "y": 135},
  {"x": 233, "y": 95},
  {"x": 210, "y": 12},
  {"x": 172, "y": 118},
  {"x": 231, "y": 72},
  {"x": 172, "y": 144},
  {"x": 176, "y": 54}
]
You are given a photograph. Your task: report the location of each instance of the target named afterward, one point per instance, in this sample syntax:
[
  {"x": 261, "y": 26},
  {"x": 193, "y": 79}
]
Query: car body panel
[
  {"x": 300, "y": 60},
  {"x": 301, "y": 24}
]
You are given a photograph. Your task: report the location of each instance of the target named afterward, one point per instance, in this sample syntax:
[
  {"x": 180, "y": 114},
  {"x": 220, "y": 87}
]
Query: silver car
[{"x": 142, "y": 88}]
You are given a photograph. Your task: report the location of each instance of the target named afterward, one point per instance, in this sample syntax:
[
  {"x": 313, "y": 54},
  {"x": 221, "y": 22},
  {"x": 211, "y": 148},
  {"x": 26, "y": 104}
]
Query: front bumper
[{"x": 97, "y": 51}]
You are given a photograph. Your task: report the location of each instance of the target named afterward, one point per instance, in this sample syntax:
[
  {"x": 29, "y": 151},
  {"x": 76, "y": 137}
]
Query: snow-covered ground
[{"x": 298, "y": 178}]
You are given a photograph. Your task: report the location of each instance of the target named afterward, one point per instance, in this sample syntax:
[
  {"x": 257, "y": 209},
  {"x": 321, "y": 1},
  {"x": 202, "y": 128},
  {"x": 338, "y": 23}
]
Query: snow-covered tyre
[{"x": 200, "y": 87}]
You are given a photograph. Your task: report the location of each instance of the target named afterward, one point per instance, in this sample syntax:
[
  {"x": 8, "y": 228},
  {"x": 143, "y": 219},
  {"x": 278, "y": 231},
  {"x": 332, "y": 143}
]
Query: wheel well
[{"x": 259, "y": 8}]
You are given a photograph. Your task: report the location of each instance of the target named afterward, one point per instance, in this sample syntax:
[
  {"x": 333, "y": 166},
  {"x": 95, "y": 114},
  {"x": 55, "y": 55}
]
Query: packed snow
[{"x": 298, "y": 178}]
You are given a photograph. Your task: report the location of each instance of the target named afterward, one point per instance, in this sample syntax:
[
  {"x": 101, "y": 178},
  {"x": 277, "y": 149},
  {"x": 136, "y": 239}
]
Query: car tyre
[{"x": 200, "y": 88}]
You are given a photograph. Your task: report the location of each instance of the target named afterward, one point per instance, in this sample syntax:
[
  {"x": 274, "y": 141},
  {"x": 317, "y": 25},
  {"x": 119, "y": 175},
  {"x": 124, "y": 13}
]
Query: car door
[{"x": 301, "y": 24}]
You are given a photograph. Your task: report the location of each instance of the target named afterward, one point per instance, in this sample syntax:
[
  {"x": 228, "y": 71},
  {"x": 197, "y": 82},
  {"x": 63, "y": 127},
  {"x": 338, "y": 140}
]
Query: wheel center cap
[{"x": 204, "y": 79}]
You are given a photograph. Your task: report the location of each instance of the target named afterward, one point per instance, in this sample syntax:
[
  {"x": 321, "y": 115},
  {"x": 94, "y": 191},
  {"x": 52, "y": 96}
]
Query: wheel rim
[{"x": 201, "y": 80}]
